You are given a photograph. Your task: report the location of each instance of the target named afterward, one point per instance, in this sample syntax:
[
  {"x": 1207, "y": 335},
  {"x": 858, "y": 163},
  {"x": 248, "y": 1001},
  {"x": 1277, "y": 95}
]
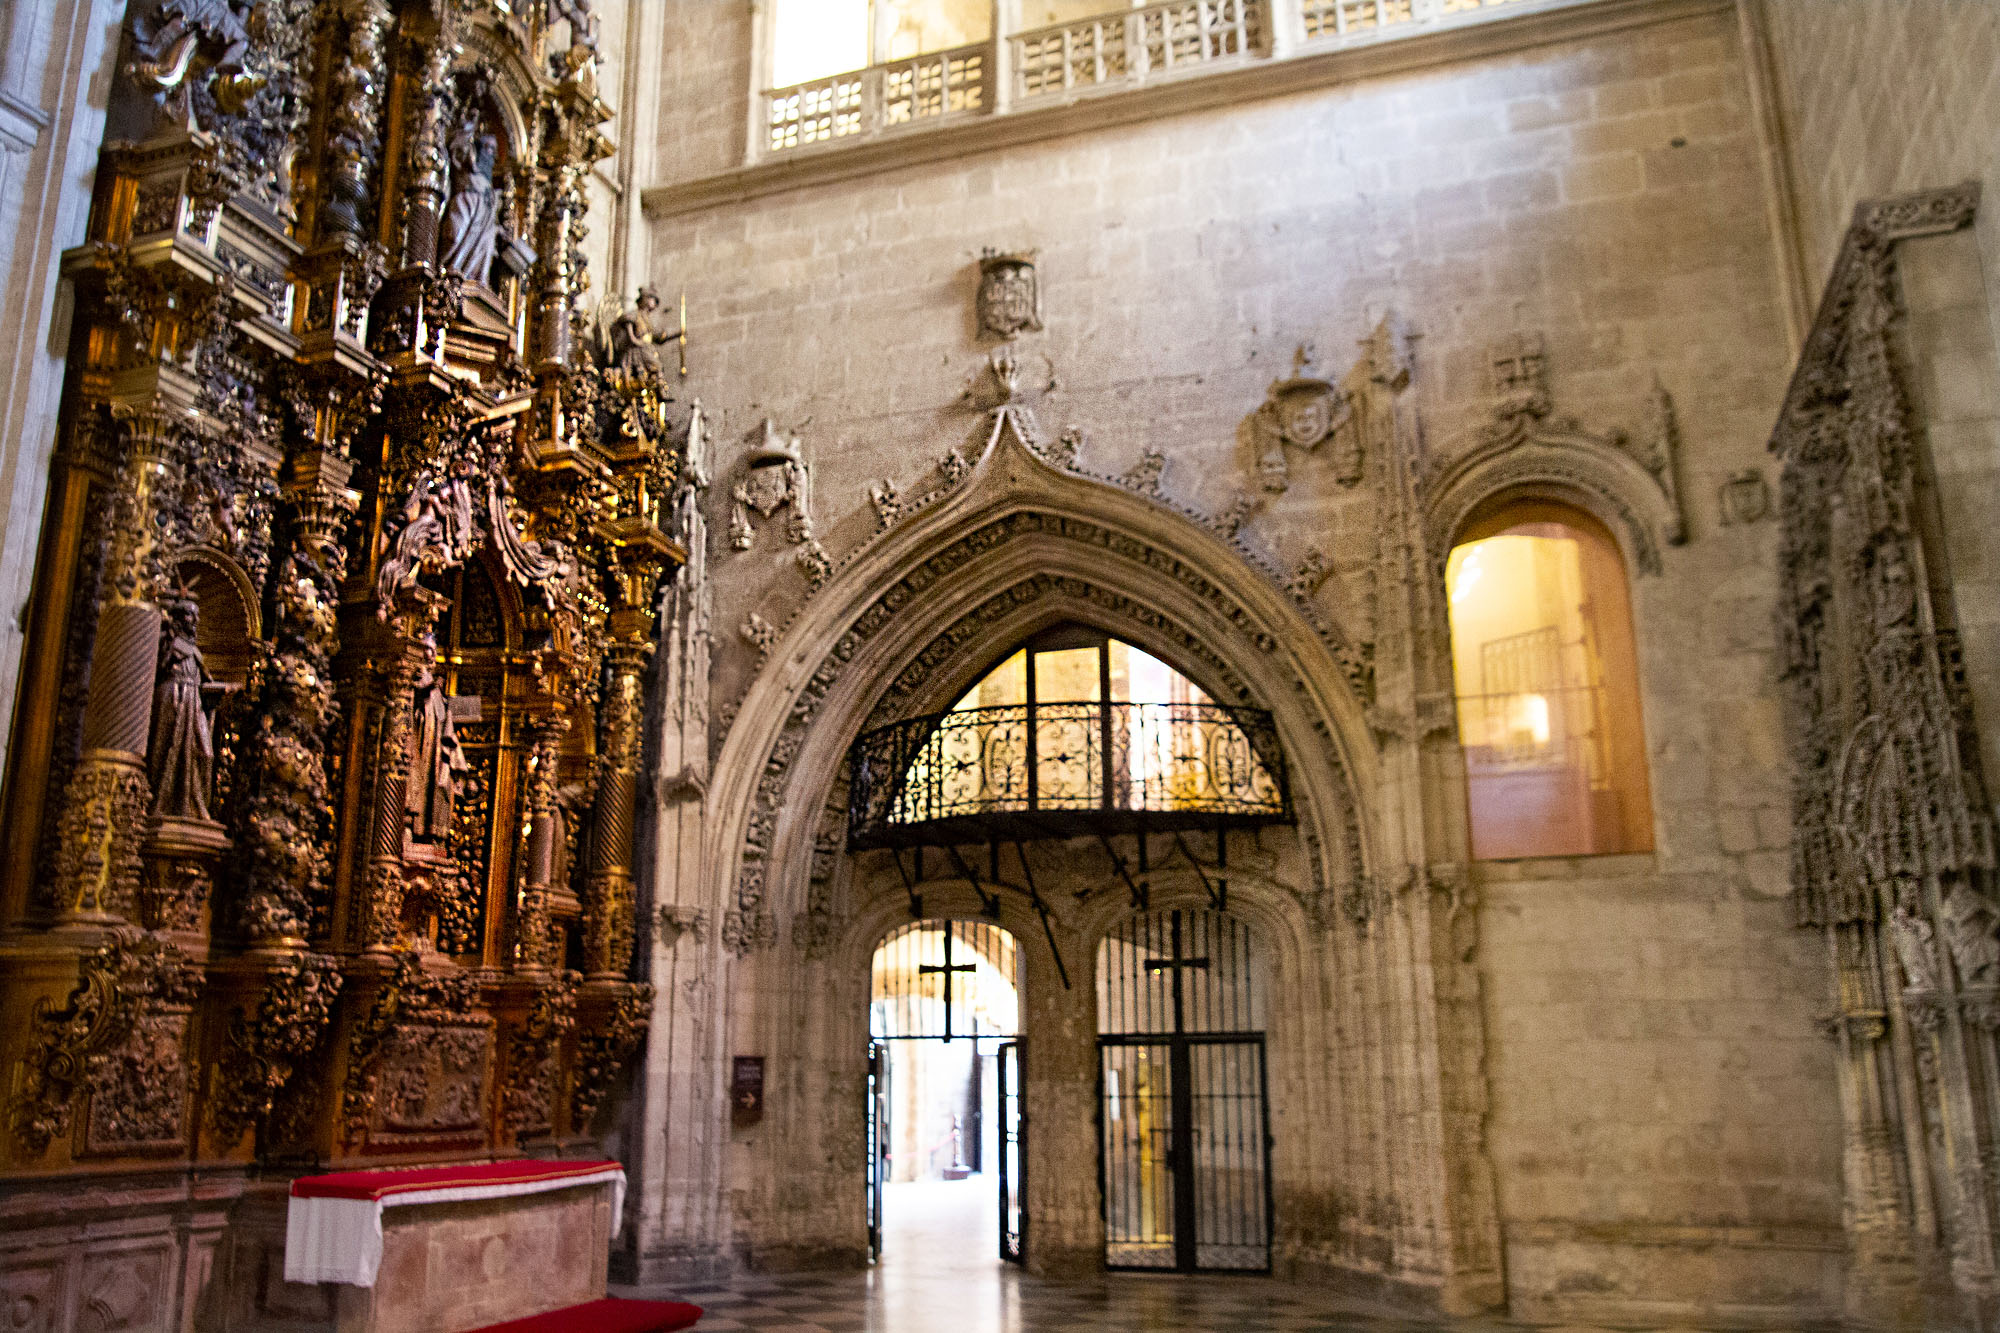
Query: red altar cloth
[{"x": 333, "y": 1228}]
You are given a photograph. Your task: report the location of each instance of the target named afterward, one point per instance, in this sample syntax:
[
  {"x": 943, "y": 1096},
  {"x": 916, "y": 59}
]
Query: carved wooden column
[
  {"x": 426, "y": 56},
  {"x": 609, "y": 907},
  {"x": 97, "y": 869},
  {"x": 533, "y": 951}
]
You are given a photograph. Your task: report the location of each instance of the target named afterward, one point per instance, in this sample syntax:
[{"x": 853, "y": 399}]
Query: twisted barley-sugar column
[
  {"x": 426, "y": 62},
  {"x": 608, "y": 926},
  {"x": 105, "y": 807}
]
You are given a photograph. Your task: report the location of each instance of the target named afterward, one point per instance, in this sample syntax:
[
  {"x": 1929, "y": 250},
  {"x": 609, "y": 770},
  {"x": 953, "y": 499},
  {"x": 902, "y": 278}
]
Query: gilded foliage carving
[
  {"x": 534, "y": 1054},
  {"x": 264, "y": 1044},
  {"x": 104, "y": 1028},
  {"x": 604, "y": 1049}
]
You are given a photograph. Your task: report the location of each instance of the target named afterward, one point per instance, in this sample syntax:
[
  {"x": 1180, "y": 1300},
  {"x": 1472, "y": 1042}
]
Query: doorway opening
[
  {"x": 1183, "y": 1101},
  {"x": 944, "y": 1083}
]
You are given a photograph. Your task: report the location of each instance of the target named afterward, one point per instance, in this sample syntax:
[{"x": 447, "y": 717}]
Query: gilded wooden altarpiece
[{"x": 319, "y": 821}]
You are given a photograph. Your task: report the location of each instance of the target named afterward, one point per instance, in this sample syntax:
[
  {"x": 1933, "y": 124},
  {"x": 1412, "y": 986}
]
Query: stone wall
[
  {"x": 1648, "y": 1018},
  {"x": 1882, "y": 99},
  {"x": 52, "y": 54}
]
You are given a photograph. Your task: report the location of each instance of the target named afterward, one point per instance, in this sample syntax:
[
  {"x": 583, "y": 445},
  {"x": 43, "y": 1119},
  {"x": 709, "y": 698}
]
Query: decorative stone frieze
[{"x": 1892, "y": 835}]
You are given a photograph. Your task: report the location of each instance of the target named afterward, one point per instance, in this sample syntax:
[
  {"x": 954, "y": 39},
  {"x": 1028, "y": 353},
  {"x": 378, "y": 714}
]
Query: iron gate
[
  {"x": 1013, "y": 1216},
  {"x": 1185, "y": 1120},
  {"x": 878, "y": 1140}
]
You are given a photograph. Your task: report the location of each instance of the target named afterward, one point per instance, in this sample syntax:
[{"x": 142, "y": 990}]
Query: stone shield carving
[{"x": 1010, "y": 298}]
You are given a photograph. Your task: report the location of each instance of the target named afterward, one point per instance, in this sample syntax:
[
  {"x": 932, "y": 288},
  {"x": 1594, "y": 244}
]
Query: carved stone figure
[
  {"x": 180, "y": 759},
  {"x": 1894, "y": 588},
  {"x": 1915, "y": 948},
  {"x": 634, "y": 337},
  {"x": 1972, "y": 933},
  {"x": 1010, "y": 299},
  {"x": 437, "y": 762}
]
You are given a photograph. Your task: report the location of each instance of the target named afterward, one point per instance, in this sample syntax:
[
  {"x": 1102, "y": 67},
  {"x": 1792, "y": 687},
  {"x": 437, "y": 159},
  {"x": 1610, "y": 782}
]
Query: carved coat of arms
[
  {"x": 1303, "y": 412},
  {"x": 1010, "y": 299}
]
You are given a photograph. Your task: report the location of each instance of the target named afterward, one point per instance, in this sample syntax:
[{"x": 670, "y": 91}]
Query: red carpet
[{"x": 609, "y": 1315}]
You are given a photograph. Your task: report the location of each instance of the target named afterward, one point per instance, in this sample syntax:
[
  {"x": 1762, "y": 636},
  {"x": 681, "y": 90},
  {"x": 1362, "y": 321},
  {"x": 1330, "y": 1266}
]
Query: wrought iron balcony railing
[{"x": 1064, "y": 770}]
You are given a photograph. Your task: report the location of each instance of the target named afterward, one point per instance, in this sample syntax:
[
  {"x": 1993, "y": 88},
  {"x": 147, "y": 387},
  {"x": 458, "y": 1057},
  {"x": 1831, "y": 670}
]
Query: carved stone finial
[
  {"x": 760, "y": 634},
  {"x": 1010, "y": 298},
  {"x": 1144, "y": 475}
]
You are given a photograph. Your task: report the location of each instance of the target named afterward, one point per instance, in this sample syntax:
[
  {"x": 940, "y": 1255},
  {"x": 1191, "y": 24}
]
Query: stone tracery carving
[
  {"x": 749, "y": 925},
  {"x": 1526, "y": 445},
  {"x": 1892, "y": 837}
]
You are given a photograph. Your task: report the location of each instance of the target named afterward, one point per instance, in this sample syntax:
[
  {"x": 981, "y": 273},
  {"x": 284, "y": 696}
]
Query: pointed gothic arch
[{"x": 1020, "y": 544}]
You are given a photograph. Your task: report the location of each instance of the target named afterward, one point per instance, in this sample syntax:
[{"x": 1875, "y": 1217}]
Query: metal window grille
[{"x": 945, "y": 979}]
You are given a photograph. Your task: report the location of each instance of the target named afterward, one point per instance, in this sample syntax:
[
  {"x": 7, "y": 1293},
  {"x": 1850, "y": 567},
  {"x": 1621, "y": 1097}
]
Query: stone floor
[{"x": 940, "y": 1271}]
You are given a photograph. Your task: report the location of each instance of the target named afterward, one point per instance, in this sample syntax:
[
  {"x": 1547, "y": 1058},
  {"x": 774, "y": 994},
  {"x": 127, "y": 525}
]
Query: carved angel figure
[
  {"x": 436, "y": 763},
  {"x": 634, "y": 337},
  {"x": 171, "y": 38},
  {"x": 436, "y": 531},
  {"x": 180, "y": 760},
  {"x": 472, "y": 219}
]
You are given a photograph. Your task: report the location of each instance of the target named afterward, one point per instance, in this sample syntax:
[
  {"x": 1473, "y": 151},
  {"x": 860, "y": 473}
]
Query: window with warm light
[
  {"x": 1546, "y": 676},
  {"x": 1072, "y": 734},
  {"x": 813, "y": 39}
]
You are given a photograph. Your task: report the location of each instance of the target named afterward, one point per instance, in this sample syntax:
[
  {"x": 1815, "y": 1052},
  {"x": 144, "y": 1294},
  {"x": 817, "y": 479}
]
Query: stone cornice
[{"x": 1303, "y": 71}]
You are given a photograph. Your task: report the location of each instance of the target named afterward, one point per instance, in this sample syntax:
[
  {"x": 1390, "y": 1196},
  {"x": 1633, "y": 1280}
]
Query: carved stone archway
[
  {"x": 1395, "y": 1182},
  {"x": 1020, "y": 529}
]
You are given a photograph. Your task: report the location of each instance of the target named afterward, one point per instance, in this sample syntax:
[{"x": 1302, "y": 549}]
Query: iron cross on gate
[
  {"x": 1175, "y": 966},
  {"x": 947, "y": 970}
]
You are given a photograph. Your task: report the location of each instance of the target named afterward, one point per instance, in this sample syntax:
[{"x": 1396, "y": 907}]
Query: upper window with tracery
[
  {"x": 845, "y": 69},
  {"x": 1548, "y": 687}
]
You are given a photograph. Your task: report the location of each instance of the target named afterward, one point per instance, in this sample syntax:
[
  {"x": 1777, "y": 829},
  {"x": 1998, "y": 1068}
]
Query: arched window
[
  {"x": 1548, "y": 686},
  {"x": 1072, "y": 734}
]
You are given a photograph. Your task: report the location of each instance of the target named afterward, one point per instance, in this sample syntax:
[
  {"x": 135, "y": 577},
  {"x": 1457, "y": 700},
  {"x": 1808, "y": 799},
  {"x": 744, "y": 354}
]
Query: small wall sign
[{"x": 746, "y": 1091}]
